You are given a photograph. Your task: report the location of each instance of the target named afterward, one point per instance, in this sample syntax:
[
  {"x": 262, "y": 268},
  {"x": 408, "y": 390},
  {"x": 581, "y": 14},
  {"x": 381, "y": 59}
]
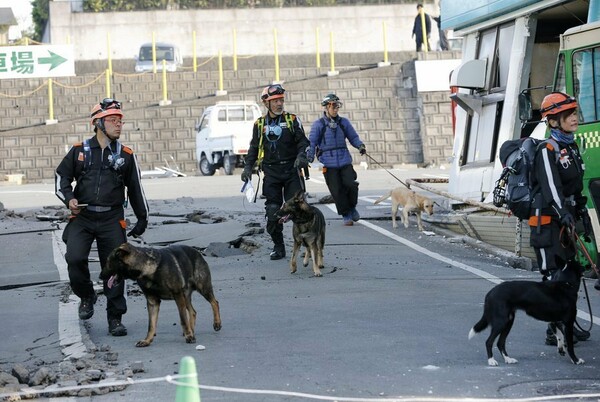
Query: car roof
[
  {"x": 239, "y": 102},
  {"x": 158, "y": 44}
]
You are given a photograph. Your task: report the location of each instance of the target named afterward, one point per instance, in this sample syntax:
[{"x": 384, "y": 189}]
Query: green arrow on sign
[{"x": 54, "y": 60}]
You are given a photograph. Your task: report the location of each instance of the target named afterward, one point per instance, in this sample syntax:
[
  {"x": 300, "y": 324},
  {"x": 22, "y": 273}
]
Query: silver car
[{"x": 164, "y": 51}]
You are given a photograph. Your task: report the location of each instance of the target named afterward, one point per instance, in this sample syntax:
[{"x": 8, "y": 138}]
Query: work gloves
[
  {"x": 362, "y": 149},
  {"x": 587, "y": 223},
  {"x": 138, "y": 229},
  {"x": 247, "y": 174},
  {"x": 301, "y": 161},
  {"x": 567, "y": 220}
]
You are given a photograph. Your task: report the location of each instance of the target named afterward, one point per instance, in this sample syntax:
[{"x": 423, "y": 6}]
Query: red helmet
[
  {"x": 105, "y": 108},
  {"x": 271, "y": 92},
  {"x": 557, "y": 102}
]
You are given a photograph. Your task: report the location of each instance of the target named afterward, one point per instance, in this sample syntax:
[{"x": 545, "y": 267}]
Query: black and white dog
[{"x": 552, "y": 301}]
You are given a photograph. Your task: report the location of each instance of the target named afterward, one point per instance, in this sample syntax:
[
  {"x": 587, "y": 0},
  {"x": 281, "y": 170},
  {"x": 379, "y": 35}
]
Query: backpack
[
  {"x": 514, "y": 188},
  {"x": 318, "y": 148}
]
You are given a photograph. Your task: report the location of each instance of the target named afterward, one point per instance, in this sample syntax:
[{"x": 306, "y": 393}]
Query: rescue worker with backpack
[
  {"x": 558, "y": 202},
  {"x": 102, "y": 169},
  {"x": 278, "y": 149},
  {"x": 328, "y": 136}
]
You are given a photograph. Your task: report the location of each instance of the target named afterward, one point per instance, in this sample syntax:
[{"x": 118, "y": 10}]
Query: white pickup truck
[{"x": 223, "y": 135}]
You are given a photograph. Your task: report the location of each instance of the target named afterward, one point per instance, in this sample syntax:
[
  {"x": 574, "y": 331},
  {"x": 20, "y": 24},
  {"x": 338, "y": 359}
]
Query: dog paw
[
  {"x": 492, "y": 362},
  {"x": 318, "y": 274},
  {"x": 190, "y": 339},
  {"x": 561, "y": 351},
  {"x": 217, "y": 326},
  {"x": 579, "y": 361},
  {"x": 142, "y": 344},
  {"x": 510, "y": 360}
]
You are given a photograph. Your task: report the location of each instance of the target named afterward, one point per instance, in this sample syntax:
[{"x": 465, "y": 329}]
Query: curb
[{"x": 510, "y": 258}]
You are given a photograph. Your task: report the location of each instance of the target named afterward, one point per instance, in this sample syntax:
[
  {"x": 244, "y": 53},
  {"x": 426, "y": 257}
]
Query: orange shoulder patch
[
  {"x": 78, "y": 144},
  {"x": 549, "y": 146},
  {"x": 128, "y": 150}
]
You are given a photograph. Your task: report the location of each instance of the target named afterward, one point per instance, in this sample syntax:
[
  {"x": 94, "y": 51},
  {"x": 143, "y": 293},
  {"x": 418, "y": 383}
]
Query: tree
[{"x": 40, "y": 14}]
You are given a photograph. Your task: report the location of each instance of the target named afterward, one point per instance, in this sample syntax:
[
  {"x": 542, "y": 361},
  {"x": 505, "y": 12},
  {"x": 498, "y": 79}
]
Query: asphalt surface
[{"x": 388, "y": 321}]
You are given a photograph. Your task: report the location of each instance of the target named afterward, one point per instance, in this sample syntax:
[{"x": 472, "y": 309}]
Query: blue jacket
[{"x": 331, "y": 142}]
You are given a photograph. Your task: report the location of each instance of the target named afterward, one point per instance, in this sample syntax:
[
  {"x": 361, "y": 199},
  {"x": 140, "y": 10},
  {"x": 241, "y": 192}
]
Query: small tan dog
[{"x": 410, "y": 202}]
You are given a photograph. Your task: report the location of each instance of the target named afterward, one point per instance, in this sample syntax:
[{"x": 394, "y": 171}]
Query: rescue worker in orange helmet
[
  {"x": 278, "y": 148},
  {"x": 558, "y": 202},
  {"x": 103, "y": 170}
]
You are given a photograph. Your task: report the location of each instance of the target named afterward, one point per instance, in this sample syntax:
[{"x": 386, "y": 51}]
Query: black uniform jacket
[
  {"x": 99, "y": 181},
  {"x": 292, "y": 142}
]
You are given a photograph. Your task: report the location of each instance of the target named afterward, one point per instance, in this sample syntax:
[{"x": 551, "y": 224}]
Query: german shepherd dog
[
  {"x": 171, "y": 273},
  {"x": 308, "y": 230},
  {"x": 553, "y": 301},
  {"x": 410, "y": 202}
]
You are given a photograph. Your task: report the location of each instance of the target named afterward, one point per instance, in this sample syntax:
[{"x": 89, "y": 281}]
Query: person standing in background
[{"x": 417, "y": 31}]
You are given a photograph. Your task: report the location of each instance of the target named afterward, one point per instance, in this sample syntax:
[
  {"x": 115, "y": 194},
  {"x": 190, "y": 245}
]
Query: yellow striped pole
[
  {"x": 220, "y": 71},
  {"x": 276, "y": 55},
  {"x": 50, "y": 100},
  {"x": 194, "y": 61},
  {"x": 235, "y": 66},
  {"x": 108, "y": 52},
  {"x": 107, "y": 82},
  {"x": 318, "y": 51},
  {"x": 164, "y": 80},
  {"x": 385, "y": 50}
]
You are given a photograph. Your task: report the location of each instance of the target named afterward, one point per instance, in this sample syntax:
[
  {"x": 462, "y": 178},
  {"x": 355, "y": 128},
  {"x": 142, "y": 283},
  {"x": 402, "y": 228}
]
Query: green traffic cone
[{"x": 187, "y": 390}]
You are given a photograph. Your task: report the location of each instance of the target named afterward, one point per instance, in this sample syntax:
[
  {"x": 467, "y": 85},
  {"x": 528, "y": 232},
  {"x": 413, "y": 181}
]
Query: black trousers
[
  {"x": 108, "y": 229},
  {"x": 551, "y": 251},
  {"x": 343, "y": 187},
  {"x": 280, "y": 183}
]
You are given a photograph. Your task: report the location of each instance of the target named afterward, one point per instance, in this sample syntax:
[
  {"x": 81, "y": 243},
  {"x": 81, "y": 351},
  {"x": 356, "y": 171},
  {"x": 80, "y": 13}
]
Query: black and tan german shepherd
[
  {"x": 171, "y": 273},
  {"x": 308, "y": 230},
  {"x": 553, "y": 301}
]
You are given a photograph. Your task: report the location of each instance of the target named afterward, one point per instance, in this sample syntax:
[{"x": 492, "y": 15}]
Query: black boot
[
  {"x": 551, "y": 338},
  {"x": 115, "y": 327},
  {"x": 86, "y": 307},
  {"x": 278, "y": 252}
]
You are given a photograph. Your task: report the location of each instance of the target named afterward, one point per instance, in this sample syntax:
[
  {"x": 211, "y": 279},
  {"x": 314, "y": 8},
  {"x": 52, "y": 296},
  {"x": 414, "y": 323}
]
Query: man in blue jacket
[{"x": 327, "y": 138}]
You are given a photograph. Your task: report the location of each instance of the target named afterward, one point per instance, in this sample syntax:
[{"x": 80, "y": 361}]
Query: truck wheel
[
  {"x": 206, "y": 168},
  {"x": 228, "y": 164}
]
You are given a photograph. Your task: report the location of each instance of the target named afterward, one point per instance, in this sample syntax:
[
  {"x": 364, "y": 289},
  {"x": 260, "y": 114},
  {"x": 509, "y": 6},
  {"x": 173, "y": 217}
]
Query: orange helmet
[
  {"x": 557, "y": 102},
  {"x": 272, "y": 92},
  {"x": 105, "y": 108}
]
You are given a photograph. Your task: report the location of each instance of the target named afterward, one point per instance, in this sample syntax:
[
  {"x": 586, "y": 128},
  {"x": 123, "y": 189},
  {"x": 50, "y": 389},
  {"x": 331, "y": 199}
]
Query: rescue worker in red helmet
[
  {"x": 558, "y": 201},
  {"x": 278, "y": 148},
  {"x": 102, "y": 169}
]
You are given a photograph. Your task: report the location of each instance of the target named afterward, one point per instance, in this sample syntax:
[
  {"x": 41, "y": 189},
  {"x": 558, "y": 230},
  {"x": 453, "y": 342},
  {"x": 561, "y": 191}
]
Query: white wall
[{"x": 356, "y": 29}]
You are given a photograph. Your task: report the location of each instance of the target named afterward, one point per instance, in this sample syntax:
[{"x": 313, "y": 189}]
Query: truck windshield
[
  {"x": 162, "y": 53},
  {"x": 586, "y": 80}
]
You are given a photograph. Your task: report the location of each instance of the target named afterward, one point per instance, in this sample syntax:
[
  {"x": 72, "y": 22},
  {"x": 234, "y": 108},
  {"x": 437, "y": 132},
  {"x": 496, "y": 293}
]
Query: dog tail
[
  {"x": 478, "y": 327},
  {"x": 383, "y": 197}
]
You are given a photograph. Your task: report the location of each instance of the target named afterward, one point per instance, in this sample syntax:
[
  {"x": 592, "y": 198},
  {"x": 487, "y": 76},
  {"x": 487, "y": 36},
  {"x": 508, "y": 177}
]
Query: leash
[
  {"x": 578, "y": 243},
  {"x": 391, "y": 174}
]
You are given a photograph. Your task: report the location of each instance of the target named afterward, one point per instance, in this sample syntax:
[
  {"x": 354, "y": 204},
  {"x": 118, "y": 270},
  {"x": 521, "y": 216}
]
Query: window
[
  {"x": 483, "y": 126},
  {"x": 586, "y": 81},
  {"x": 235, "y": 113},
  {"x": 204, "y": 122}
]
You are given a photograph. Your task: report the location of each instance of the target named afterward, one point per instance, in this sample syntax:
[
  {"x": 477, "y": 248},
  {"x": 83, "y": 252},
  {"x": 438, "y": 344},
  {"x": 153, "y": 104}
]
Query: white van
[
  {"x": 223, "y": 135},
  {"x": 164, "y": 51}
]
